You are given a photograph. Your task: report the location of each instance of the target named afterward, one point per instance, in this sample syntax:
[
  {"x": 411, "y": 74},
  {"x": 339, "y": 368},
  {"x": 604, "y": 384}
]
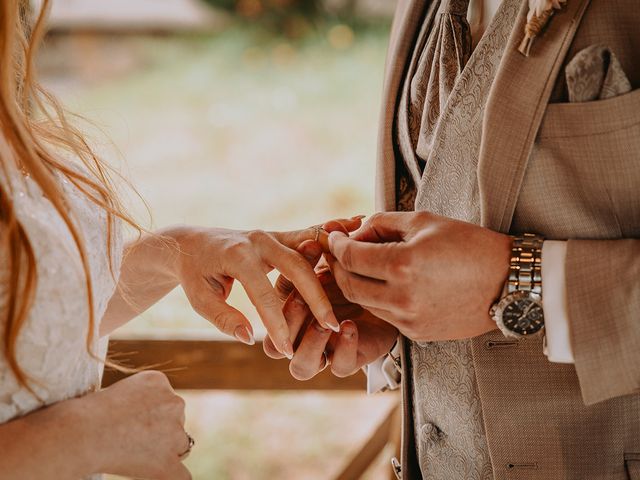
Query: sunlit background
[{"x": 241, "y": 114}]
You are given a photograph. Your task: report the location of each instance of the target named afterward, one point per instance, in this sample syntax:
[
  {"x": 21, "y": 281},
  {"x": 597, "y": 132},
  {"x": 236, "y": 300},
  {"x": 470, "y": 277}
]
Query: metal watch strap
[{"x": 525, "y": 271}]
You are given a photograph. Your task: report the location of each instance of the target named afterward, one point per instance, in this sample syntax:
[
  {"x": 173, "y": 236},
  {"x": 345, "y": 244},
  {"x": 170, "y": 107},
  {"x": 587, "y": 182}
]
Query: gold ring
[
  {"x": 319, "y": 230},
  {"x": 321, "y": 236}
]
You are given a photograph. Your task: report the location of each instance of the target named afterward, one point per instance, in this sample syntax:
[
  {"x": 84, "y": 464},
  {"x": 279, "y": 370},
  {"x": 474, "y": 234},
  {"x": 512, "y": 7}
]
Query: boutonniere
[{"x": 540, "y": 11}]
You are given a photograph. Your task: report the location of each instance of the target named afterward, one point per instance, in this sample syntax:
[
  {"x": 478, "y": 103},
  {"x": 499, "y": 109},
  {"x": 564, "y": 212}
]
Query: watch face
[{"x": 523, "y": 316}]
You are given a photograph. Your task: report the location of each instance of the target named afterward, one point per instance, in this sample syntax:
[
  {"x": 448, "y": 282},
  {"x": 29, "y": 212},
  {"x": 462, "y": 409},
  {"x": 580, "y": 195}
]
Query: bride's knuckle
[
  {"x": 269, "y": 300},
  {"x": 257, "y": 236},
  {"x": 154, "y": 378},
  {"x": 222, "y": 320},
  {"x": 237, "y": 250}
]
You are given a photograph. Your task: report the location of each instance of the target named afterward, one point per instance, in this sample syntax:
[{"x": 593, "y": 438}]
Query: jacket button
[{"x": 397, "y": 468}]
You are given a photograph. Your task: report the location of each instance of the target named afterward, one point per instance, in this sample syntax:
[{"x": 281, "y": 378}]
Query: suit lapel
[
  {"x": 515, "y": 108},
  {"x": 406, "y": 24}
]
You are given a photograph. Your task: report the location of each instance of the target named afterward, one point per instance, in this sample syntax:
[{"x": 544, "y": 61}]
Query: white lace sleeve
[{"x": 51, "y": 347}]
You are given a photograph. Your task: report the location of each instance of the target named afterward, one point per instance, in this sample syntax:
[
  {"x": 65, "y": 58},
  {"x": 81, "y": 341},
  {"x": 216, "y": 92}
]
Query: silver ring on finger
[
  {"x": 326, "y": 362},
  {"x": 191, "y": 442}
]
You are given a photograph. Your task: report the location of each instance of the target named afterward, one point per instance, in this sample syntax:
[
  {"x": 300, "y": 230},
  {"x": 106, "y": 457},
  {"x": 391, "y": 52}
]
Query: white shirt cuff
[
  {"x": 384, "y": 373},
  {"x": 376, "y": 381},
  {"x": 554, "y": 303}
]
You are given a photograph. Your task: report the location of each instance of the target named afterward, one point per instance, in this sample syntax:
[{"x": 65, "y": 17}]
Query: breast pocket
[{"x": 583, "y": 177}]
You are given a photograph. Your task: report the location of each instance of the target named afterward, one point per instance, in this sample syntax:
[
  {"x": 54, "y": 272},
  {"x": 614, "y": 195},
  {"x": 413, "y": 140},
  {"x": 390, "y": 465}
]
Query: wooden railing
[{"x": 221, "y": 365}]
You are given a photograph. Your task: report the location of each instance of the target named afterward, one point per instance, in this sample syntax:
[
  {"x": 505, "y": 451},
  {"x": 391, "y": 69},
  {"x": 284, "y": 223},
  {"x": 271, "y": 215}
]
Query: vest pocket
[{"x": 632, "y": 465}]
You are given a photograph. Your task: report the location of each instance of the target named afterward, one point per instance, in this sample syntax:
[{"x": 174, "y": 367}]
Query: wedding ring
[
  {"x": 192, "y": 442},
  {"x": 319, "y": 230},
  {"x": 321, "y": 236}
]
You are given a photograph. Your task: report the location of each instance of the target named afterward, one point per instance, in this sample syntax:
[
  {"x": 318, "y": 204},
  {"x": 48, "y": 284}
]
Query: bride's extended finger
[
  {"x": 294, "y": 238},
  {"x": 310, "y": 359},
  {"x": 312, "y": 252},
  {"x": 269, "y": 307},
  {"x": 294, "y": 266}
]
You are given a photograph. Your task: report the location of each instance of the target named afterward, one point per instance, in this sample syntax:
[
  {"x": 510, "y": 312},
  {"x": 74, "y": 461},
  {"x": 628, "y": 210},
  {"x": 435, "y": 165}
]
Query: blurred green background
[{"x": 247, "y": 123}]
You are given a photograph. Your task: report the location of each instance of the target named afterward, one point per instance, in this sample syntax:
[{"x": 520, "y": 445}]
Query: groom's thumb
[{"x": 384, "y": 227}]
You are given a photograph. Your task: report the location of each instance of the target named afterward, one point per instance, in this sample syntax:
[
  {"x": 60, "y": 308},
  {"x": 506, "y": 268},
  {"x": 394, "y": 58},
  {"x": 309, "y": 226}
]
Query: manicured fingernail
[
  {"x": 243, "y": 334},
  {"x": 331, "y": 322},
  {"x": 287, "y": 349}
]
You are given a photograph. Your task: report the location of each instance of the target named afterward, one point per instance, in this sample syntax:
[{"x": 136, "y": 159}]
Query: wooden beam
[
  {"x": 372, "y": 447},
  {"x": 217, "y": 365}
]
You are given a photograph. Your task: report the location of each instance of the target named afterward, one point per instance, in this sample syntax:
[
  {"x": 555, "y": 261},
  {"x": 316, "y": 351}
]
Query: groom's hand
[
  {"x": 432, "y": 277},
  {"x": 362, "y": 338}
]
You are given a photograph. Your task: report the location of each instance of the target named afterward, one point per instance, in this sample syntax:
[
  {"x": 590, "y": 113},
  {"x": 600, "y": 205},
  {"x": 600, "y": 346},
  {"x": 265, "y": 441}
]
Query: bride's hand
[
  {"x": 210, "y": 259},
  {"x": 139, "y": 429}
]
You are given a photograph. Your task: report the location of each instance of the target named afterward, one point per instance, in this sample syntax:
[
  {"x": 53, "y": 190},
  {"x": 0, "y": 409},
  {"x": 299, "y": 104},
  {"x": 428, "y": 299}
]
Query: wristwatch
[{"x": 519, "y": 312}]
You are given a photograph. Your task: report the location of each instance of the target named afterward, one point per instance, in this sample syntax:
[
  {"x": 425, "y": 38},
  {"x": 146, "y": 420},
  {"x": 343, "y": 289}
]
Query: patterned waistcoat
[{"x": 440, "y": 149}]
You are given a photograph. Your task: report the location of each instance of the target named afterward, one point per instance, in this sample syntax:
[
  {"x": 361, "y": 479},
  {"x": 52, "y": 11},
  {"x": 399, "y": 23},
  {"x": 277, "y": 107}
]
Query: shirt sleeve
[{"x": 557, "y": 346}]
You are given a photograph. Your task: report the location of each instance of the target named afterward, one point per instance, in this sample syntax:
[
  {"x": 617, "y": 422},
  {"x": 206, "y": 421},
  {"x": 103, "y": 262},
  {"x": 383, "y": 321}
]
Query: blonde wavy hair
[{"x": 33, "y": 127}]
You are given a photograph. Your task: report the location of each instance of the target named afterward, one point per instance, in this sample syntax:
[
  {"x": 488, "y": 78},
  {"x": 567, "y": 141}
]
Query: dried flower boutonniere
[{"x": 540, "y": 11}]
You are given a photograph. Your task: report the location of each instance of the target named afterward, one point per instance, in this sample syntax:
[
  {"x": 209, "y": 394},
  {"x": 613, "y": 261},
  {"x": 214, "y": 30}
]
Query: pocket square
[{"x": 595, "y": 73}]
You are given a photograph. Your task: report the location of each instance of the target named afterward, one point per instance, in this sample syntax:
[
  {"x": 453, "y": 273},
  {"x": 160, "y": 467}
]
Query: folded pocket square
[{"x": 595, "y": 74}]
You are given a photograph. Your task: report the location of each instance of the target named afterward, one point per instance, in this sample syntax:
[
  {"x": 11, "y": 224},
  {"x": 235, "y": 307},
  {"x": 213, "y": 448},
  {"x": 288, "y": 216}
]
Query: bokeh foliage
[{"x": 291, "y": 18}]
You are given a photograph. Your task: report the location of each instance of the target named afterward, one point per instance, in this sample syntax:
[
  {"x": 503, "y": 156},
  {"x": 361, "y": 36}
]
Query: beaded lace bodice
[{"x": 51, "y": 347}]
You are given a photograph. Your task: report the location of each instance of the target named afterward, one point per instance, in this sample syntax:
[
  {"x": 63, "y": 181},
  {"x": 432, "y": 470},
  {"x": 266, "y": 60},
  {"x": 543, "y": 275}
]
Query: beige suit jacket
[{"x": 567, "y": 171}]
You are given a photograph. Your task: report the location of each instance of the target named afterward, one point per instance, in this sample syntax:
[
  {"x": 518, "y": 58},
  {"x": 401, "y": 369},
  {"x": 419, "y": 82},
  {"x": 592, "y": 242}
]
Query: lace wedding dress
[{"x": 51, "y": 347}]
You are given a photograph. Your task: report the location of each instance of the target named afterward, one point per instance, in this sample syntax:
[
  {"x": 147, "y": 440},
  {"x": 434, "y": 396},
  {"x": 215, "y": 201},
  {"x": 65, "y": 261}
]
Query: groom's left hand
[{"x": 432, "y": 277}]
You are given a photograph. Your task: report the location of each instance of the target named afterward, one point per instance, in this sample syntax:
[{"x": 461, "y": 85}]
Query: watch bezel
[{"x": 497, "y": 312}]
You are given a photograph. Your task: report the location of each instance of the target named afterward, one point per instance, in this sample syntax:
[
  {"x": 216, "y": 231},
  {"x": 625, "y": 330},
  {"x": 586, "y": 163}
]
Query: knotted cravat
[{"x": 442, "y": 60}]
